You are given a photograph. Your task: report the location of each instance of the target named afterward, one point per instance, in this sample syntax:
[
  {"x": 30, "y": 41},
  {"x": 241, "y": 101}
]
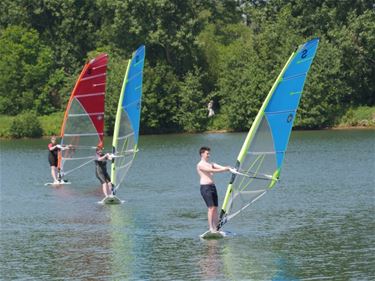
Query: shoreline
[{"x": 223, "y": 131}]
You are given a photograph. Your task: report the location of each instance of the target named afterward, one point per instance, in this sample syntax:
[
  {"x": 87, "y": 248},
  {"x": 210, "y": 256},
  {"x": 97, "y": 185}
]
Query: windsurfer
[
  {"x": 101, "y": 170},
  {"x": 53, "y": 149},
  {"x": 205, "y": 171}
]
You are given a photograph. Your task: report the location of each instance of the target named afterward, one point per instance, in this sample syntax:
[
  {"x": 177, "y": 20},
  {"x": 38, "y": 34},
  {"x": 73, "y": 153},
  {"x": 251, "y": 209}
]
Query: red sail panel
[
  {"x": 90, "y": 91},
  {"x": 83, "y": 125}
]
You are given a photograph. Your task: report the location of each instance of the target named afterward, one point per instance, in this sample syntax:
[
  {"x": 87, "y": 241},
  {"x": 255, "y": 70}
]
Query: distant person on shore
[
  {"x": 53, "y": 149},
  {"x": 205, "y": 171},
  {"x": 101, "y": 170},
  {"x": 210, "y": 108}
]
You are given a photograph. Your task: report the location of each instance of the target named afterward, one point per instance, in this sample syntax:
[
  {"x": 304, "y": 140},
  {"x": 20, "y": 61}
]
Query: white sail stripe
[
  {"x": 138, "y": 62},
  {"x": 253, "y": 175},
  {"x": 85, "y": 114},
  {"x": 88, "y": 134},
  {"x": 279, "y": 112},
  {"x": 77, "y": 158},
  {"x": 134, "y": 76},
  {"x": 93, "y": 77},
  {"x": 83, "y": 147},
  {"x": 100, "y": 84},
  {"x": 264, "y": 152},
  {"x": 89, "y": 95},
  {"x": 120, "y": 154},
  {"x": 293, "y": 76},
  {"x": 126, "y": 136},
  {"x": 99, "y": 66}
]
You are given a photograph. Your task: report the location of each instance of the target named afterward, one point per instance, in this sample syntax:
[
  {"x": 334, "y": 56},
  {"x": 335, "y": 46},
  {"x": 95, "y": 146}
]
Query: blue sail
[
  {"x": 260, "y": 159},
  {"x": 281, "y": 109},
  {"x": 126, "y": 131},
  {"x": 133, "y": 90}
]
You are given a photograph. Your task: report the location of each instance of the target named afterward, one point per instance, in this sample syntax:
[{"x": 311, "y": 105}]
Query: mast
[{"x": 117, "y": 124}]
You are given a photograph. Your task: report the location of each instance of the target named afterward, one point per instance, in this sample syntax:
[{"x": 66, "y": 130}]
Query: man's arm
[
  {"x": 52, "y": 147},
  {"x": 217, "y": 166},
  {"x": 105, "y": 157},
  {"x": 213, "y": 169}
]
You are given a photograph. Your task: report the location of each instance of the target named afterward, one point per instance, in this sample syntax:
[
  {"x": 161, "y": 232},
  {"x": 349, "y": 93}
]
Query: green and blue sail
[
  {"x": 126, "y": 131},
  {"x": 261, "y": 156}
]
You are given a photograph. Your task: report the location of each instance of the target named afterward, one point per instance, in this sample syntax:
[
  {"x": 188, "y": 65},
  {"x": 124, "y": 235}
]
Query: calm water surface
[{"x": 318, "y": 224}]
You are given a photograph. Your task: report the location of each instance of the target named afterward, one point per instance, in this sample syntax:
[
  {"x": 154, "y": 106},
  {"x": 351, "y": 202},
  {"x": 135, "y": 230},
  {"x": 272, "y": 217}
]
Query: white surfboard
[
  {"x": 111, "y": 200},
  {"x": 56, "y": 184},
  {"x": 215, "y": 235}
]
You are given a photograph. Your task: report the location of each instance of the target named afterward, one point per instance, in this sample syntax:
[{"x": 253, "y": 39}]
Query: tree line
[{"x": 228, "y": 52}]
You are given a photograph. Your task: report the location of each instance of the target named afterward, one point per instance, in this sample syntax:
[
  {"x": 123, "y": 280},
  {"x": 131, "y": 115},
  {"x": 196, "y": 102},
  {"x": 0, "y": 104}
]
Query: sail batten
[
  {"x": 91, "y": 95},
  {"x": 260, "y": 159}
]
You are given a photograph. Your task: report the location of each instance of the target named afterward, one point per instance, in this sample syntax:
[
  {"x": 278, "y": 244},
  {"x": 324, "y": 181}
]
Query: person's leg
[
  {"x": 215, "y": 219},
  {"x": 104, "y": 185},
  {"x": 54, "y": 174},
  {"x": 209, "y": 217},
  {"x": 110, "y": 190},
  {"x": 212, "y": 218}
]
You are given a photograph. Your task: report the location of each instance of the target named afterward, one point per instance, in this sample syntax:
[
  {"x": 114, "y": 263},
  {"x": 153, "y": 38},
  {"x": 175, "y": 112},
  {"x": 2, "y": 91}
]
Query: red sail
[{"x": 83, "y": 126}]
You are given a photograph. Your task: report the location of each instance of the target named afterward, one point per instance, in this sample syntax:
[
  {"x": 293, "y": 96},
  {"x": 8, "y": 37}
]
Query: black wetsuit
[
  {"x": 52, "y": 155},
  {"x": 101, "y": 169},
  {"x": 209, "y": 194}
]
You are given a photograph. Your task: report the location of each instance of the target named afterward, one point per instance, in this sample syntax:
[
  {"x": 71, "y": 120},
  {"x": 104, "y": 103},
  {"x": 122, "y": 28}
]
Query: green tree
[
  {"x": 192, "y": 110},
  {"x": 160, "y": 100},
  {"x": 25, "y": 68}
]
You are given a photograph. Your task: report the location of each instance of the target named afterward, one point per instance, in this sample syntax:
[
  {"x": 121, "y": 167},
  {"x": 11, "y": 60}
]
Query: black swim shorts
[
  {"x": 209, "y": 194},
  {"x": 102, "y": 176},
  {"x": 52, "y": 160}
]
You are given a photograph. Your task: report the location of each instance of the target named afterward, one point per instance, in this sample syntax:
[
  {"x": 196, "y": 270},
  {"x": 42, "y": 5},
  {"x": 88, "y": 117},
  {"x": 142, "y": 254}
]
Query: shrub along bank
[{"x": 32, "y": 126}]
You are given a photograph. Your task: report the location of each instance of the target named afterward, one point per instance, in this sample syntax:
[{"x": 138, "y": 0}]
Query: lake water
[{"x": 316, "y": 224}]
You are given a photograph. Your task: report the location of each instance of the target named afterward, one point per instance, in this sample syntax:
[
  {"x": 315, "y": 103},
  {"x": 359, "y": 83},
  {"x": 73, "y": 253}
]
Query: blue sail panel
[
  {"x": 282, "y": 107},
  {"x": 302, "y": 61},
  {"x": 281, "y": 126},
  {"x": 287, "y": 95},
  {"x": 133, "y": 90}
]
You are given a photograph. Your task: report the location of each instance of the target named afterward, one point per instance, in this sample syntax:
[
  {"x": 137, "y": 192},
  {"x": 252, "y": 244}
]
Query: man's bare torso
[{"x": 205, "y": 177}]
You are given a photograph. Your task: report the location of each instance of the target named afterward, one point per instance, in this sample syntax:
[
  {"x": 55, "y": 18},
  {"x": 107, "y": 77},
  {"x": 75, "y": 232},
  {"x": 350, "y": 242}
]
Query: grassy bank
[
  {"x": 361, "y": 117},
  {"x": 50, "y": 124}
]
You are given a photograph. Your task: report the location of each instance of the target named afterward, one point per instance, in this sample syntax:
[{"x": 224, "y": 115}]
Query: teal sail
[
  {"x": 126, "y": 131},
  {"x": 260, "y": 159}
]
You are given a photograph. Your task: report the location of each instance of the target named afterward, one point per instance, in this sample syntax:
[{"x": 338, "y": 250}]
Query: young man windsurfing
[
  {"x": 101, "y": 170},
  {"x": 205, "y": 171}
]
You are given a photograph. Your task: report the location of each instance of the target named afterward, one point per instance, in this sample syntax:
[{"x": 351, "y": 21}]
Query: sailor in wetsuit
[
  {"x": 205, "y": 171},
  {"x": 101, "y": 170},
  {"x": 53, "y": 149}
]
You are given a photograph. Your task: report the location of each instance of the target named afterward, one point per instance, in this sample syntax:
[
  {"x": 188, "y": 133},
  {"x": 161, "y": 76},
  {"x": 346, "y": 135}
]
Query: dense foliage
[
  {"x": 26, "y": 125},
  {"x": 196, "y": 51}
]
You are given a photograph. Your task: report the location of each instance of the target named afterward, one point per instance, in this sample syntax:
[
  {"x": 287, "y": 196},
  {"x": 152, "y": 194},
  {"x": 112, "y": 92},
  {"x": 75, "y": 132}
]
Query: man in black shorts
[
  {"x": 101, "y": 170},
  {"x": 205, "y": 171}
]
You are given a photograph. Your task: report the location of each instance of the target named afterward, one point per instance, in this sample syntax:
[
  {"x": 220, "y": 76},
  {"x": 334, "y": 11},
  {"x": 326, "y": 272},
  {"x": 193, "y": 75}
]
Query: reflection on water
[
  {"x": 317, "y": 224},
  {"x": 121, "y": 262},
  {"x": 211, "y": 265}
]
